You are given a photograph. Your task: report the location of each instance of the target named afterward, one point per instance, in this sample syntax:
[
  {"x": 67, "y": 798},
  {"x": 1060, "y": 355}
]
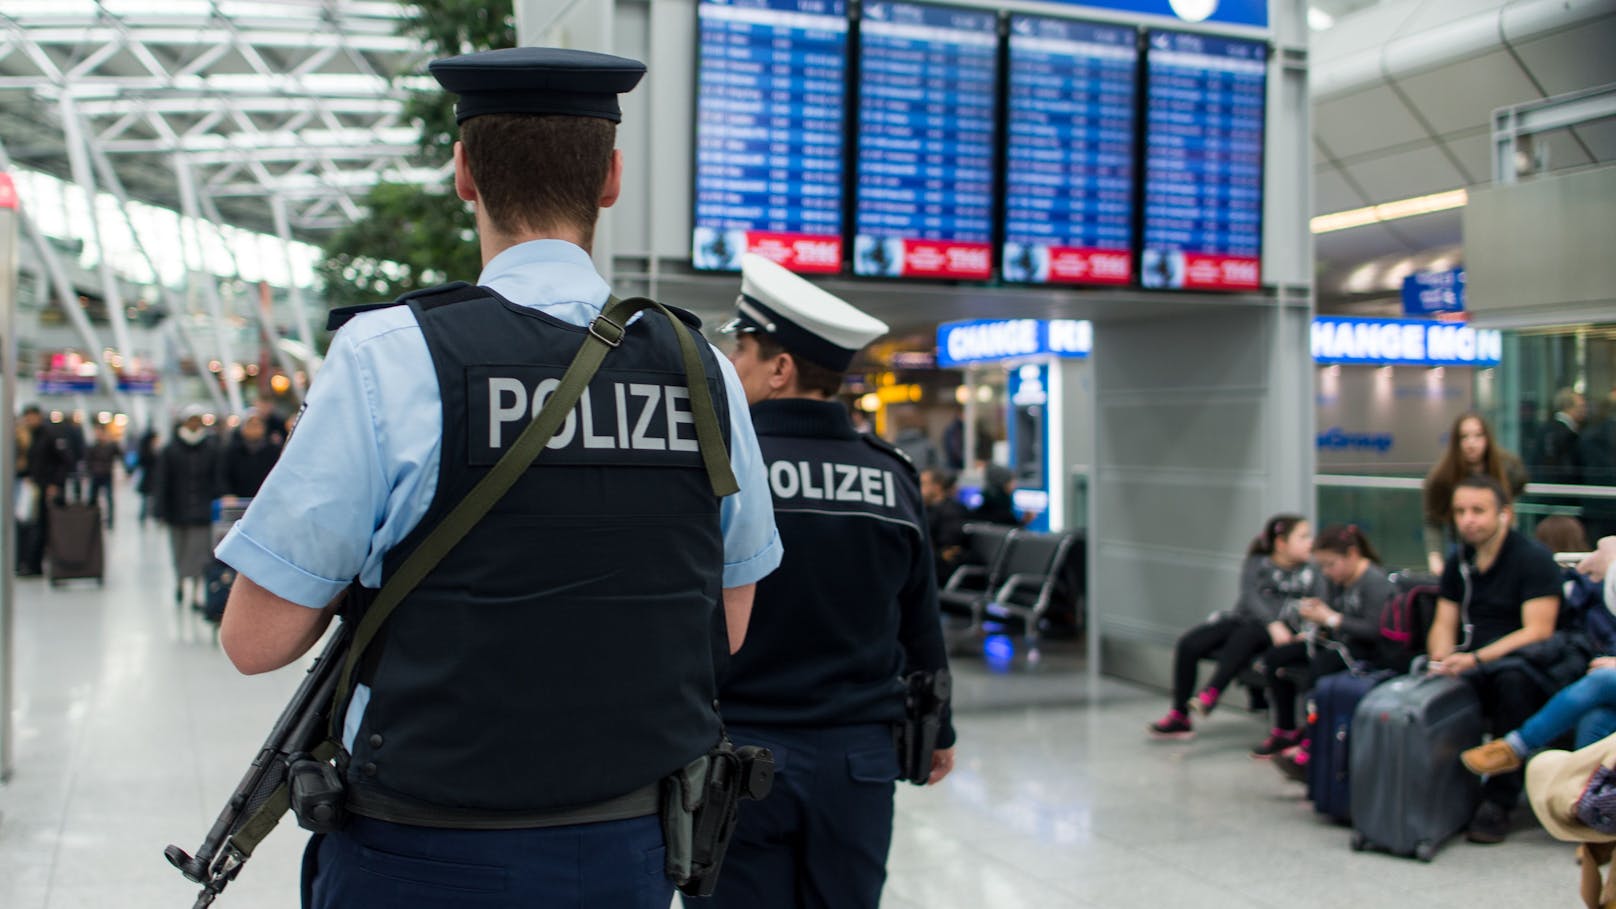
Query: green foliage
[
  {"x": 416, "y": 236},
  {"x": 413, "y": 237}
]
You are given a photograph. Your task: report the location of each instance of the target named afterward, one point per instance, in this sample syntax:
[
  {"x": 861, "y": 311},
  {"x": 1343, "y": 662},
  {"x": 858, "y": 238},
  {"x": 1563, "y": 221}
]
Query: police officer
[
  {"x": 513, "y": 720},
  {"x": 853, "y": 606}
]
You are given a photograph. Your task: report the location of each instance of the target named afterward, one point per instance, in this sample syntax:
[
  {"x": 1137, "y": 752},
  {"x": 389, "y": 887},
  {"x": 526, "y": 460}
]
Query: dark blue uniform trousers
[
  {"x": 820, "y": 839},
  {"x": 610, "y": 865}
]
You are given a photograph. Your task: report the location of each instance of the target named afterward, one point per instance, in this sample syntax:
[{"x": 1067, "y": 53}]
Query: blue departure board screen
[
  {"x": 1205, "y": 99},
  {"x": 770, "y": 117},
  {"x": 1069, "y": 176},
  {"x": 926, "y": 141}
]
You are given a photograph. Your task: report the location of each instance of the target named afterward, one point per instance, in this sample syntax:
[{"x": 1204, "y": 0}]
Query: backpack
[{"x": 1405, "y": 620}]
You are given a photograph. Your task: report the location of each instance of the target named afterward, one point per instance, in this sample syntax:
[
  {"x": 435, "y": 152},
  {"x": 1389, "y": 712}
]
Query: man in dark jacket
[
  {"x": 186, "y": 484},
  {"x": 47, "y": 469},
  {"x": 248, "y": 459},
  {"x": 98, "y": 463}
]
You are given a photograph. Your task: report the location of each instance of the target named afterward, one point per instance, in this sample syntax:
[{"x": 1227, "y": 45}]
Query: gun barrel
[{"x": 296, "y": 730}]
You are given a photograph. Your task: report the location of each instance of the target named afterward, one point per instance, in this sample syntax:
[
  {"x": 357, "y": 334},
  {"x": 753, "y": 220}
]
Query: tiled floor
[{"x": 132, "y": 729}]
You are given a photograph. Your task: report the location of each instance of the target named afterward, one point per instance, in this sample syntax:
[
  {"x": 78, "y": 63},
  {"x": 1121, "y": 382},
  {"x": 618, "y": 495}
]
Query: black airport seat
[
  {"x": 1035, "y": 569},
  {"x": 981, "y": 571}
]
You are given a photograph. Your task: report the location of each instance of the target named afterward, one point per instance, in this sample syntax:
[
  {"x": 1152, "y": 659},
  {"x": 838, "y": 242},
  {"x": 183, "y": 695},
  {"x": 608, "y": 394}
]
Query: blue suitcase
[{"x": 1329, "y": 778}]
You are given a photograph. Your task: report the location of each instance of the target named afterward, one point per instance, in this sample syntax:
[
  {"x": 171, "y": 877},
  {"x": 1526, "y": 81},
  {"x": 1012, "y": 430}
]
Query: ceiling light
[
  {"x": 1319, "y": 20},
  {"x": 1389, "y": 211}
]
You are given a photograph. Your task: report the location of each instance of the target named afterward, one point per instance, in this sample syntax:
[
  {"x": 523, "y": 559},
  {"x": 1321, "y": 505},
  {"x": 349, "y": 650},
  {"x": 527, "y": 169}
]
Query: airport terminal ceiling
[
  {"x": 292, "y": 98},
  {"x": 298, "y": 99}
]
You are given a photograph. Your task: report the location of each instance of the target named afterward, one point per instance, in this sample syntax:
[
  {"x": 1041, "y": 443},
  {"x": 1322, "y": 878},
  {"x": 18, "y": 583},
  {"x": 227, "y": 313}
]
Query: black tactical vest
[{"x": 560, "y": 655}]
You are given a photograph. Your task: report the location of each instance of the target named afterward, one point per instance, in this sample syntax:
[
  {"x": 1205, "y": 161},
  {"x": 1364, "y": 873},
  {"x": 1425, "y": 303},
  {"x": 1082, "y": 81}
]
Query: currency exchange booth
[
  {"x": 1035, "y": 372},
  {"x": 1144, "y": 165}
]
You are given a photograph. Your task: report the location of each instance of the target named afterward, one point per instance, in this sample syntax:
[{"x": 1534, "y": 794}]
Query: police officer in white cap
[
  {"x": 517, "y": 713},
  {"x": 851, "y": 609}
]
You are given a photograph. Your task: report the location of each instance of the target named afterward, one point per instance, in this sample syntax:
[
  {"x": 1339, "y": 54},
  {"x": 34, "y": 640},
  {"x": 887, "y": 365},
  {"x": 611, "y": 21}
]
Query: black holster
[
  {"x": 316, "y": 793},
  {"x": 925, "y": 696},
  {"x": 699, "y": 811}
]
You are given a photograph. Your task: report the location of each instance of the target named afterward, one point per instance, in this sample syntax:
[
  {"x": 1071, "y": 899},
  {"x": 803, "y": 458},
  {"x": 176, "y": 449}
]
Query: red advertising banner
[
  {"x": 1089, "y": 266},
  {"x": 8, "y": 191},
  {"x": 805, "y": 253},
  {"x": 947, "y": 259},
  {"x": 1202, "y": 272}
]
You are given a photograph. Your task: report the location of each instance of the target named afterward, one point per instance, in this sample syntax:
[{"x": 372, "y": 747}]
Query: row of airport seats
[{"x": 1010, "y": 575}]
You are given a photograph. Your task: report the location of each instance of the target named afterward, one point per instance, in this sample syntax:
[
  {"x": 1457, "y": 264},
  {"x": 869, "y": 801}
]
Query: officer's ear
[
  {"x": 783, "y": 373},
  {"x": 614, "y": 180},
  {"x": 465, "y": 186}
]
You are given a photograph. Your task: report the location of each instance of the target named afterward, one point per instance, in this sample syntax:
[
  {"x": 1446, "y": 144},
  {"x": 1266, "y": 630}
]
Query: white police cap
[{"x": 808, "y": 322}]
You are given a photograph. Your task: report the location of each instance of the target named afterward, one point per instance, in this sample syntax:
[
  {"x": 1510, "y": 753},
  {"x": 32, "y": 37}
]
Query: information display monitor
[
  {"x": 1070, "y": 162},
  {"x": 770, "y": 117},
  {"x": 928, "y": 92},
  {"x": 1204, "y": 109}
]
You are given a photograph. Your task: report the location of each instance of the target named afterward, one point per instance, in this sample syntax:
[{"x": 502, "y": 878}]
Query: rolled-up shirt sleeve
[
  {"x": 752, "y": 546},
  {"x": 308, "y": 531}
]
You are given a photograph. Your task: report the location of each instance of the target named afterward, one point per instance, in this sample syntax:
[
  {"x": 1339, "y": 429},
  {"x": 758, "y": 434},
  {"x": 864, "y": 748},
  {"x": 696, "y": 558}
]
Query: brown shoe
[{"x": 1491, "y": 759}]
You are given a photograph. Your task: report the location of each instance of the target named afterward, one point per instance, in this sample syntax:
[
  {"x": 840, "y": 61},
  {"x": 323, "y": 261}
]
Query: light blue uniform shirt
[{"x": 361, "y": 468}]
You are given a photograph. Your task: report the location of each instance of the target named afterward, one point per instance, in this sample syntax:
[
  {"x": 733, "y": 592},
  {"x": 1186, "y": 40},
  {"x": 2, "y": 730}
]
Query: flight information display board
[
  {"x": 1069, "y": 175},
  {"x": 1203, "y": 162},
  {"x": 926, "y": 139},
  {"x": 770, "y": 117}
]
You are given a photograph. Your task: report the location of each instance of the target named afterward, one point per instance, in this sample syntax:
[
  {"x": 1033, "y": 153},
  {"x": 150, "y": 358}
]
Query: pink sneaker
[
  {"x": 1205, "y": 702},
  {"x": 1292, "y": 763},
  {"x": 1175, "y": 725},
  {"x": 1278, "y": 740}
]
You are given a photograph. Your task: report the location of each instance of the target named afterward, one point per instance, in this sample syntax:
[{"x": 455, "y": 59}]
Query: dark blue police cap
[{"x": 538, "y": 80}]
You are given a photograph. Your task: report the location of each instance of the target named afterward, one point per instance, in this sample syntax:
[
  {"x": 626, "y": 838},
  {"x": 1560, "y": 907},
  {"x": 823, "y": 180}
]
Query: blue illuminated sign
[
  {"x": 993, "y": 340},
  {"x": 1428, "y": 292},
  {"x": 1369, "y": 342},
  {"x": 1403, "y": 342}
]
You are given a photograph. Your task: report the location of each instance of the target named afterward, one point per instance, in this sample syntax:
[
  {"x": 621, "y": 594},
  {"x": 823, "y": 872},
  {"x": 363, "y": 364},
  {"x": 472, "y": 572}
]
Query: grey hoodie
[{"x": 1266, "y": 588}]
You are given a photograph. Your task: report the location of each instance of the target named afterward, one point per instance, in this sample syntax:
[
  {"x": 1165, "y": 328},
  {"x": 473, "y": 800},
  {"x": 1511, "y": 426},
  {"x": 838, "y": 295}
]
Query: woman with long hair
[
  {"x": 1472, "y": 449},
  {"x": 1277, "y": 570}
]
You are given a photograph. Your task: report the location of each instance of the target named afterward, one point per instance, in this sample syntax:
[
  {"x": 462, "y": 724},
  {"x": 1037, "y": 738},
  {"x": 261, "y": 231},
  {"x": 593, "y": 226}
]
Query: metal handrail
[{"x": 1351, "y": 481}]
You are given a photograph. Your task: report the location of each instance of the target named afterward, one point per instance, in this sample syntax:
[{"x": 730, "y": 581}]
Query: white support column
[
  {"x": 176, "y": 308},
  {"x": 79, "y": 162},
  {"x": 191, "y": 243},
  {"x": 283, "y": 228},
  {"x": 8, "y": 375}
]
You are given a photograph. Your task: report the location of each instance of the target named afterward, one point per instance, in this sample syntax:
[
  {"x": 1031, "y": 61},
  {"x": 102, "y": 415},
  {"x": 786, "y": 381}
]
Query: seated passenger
[
  {"x": 945, "y": 519},
  {"x": 1572, "y": 707},
  {"x": 1344, "y": 624},
  {"x": 1499, "y": 593},
  {"x": 1277, "y": 570}
]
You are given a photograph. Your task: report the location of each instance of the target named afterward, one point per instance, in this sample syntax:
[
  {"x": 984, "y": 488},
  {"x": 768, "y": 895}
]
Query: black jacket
[
  {"x": 187, "y": 482},
  {"x": 242, "y": 469},
  {"x": 49, "y": 457}
]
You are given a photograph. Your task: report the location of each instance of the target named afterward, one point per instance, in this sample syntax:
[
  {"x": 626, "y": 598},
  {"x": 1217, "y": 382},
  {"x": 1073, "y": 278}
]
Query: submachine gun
[{"x": 293, "y": 770}]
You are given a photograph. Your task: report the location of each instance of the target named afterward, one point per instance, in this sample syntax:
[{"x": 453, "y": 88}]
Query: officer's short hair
[
  {"x": 810, "y": 375},
  {"x": 539, "y": 173}
]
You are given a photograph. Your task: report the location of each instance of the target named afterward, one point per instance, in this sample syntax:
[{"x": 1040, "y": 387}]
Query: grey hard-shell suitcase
[{"x": 1409, "y": 790}]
